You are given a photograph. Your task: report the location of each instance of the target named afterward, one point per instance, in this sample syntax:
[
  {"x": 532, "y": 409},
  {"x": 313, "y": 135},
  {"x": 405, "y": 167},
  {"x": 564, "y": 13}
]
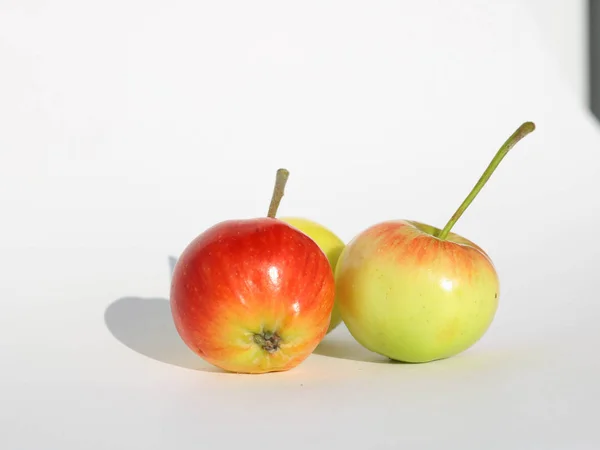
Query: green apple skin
[
  {"x": 407, "y": 295},
  {"x": 329, "y": 243}
]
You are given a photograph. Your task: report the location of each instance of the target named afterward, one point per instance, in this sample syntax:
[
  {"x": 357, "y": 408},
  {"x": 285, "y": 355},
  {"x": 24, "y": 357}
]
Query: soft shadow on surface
[
  {"x": 145, "y": 325},
  {"x": 347, "y": 348},
  {"x": 172, "y": 263}
]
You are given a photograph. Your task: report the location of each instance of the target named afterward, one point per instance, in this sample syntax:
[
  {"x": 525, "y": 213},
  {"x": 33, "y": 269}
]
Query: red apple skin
[{"x": 242, "y": 278}]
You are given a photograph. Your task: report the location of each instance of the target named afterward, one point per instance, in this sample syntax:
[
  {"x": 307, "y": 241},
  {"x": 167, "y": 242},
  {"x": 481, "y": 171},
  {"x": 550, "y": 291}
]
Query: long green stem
[
  {"x": 278, "y": 191},
  {"x": 519, "y": 134}
]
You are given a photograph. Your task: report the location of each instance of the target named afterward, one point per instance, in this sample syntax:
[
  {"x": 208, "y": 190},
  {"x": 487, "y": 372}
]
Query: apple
[
  {"x": 415, "y": 293},
  {"x": 330, "y": 243},
  {"x": 253, "y": 295}
]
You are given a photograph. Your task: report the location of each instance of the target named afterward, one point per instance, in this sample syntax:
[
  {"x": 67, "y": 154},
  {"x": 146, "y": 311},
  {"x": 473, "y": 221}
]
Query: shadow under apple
[
  {"x": 145, "y": 325},
  {"x": 345, "y": 347}
]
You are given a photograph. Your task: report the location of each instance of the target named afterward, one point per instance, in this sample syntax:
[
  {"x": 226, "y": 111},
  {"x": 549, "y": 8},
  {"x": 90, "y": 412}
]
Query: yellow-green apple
[
  {"x": 253, "y": 295},
  {"x": 415, "y": 293},
  {"x": 330, "y": 243}
]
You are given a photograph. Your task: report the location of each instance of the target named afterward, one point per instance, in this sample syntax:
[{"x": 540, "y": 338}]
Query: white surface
[
  {"x": 564, "y": 28},
  {"x": 128, "y": 128}
]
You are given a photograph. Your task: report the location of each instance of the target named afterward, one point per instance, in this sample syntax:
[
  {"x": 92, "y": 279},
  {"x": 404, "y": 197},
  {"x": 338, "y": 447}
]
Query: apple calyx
[
  {"x": 278, "y": 191},
  {"x": 520, "y": 133},
  {"x": 268, "y": 341}
]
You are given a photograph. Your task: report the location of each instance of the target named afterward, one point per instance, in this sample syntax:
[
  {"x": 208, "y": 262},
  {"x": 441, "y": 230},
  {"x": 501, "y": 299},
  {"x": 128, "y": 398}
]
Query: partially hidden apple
[
  {"x": 253, "y": 295},
  {"x": 330, "y": 243},
  {"x": 415, "y": 293}
]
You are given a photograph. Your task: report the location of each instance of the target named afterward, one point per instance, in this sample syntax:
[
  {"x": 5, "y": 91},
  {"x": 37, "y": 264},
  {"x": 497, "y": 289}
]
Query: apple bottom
[
  {"x": 416, "y": 321},
  {"x": 260, "y": 340}
]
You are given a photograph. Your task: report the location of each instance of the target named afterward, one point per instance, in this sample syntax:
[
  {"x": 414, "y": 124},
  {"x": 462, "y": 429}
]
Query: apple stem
[
  {"x": 278, "y": 191},
  {"x": 519, "y": 134}
]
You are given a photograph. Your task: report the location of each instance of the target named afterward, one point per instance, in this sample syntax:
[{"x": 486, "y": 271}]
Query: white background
[
  {"x": 563, "y": 25},
  {"x": 128, "y": 127}
]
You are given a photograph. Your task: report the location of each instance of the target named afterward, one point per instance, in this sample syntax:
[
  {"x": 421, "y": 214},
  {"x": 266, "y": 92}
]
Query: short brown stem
[{"x": 278, "y": 191}]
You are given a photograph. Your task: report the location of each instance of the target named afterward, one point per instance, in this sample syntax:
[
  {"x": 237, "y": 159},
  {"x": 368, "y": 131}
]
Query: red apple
[{"x": 253, "y": 295}]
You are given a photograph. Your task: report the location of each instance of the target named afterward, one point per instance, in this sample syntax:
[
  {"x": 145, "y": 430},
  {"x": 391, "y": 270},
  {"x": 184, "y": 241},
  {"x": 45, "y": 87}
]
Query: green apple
[
  {"x": 331, "y": 245},
  {"x": 415, "y": 293}
]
